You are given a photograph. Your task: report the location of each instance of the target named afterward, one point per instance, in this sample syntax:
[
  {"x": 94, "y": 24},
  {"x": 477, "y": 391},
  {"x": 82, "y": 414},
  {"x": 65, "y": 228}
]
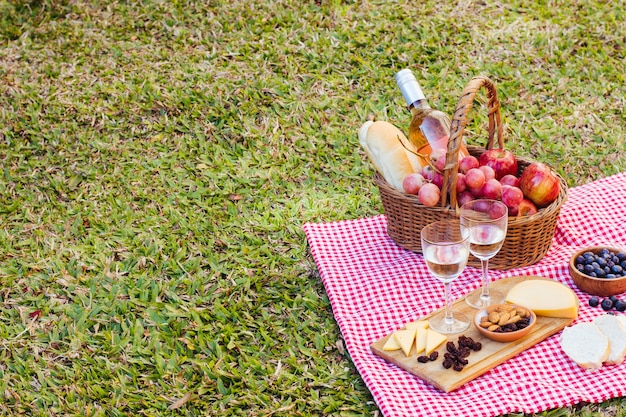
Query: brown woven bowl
[
  {"x": 528, "y": 238},
  {"x": 504, "y": 336},
  {"x": 596, "y": 286}
]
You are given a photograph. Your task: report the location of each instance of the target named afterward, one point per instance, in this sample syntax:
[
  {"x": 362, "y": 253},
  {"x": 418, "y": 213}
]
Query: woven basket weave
[{"x": 528, "y": 238}]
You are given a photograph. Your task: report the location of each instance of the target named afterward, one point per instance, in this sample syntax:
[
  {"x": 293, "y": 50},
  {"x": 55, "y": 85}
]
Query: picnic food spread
[
  {"x": 436, "y": 172},
  {"x": 376, "y": 286}
]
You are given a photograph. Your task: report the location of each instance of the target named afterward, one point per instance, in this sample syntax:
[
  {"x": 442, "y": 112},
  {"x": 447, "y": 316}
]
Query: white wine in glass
[
  {"x": 446, "y": 248},
  {"x": 486, "y": 222}
]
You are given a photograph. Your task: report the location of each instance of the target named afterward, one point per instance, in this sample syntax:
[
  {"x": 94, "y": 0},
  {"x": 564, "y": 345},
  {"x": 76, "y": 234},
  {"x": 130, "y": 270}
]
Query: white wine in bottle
[{"x": 430, "y": 128}]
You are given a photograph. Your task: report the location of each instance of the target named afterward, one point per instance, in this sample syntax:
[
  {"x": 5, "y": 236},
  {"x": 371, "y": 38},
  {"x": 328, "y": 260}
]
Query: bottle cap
[{"x": 409, "y": 87}]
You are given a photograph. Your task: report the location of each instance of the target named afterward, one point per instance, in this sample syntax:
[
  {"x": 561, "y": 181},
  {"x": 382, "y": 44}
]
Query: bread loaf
[
  {"x": 383, "y": 144},
  {"x": 586, "y": 345},
  {"x": 613, "y": 329}
]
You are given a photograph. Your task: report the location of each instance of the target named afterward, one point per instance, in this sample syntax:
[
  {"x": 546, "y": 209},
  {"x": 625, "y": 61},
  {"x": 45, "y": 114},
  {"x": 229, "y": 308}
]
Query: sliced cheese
[
  {"x": 545, "y": 298},
  {"x": 420, "y": 327},
  {"x": 417, "y": 324},
  {"x": 420, "y": 339},
  {"x": 433, "y": 340},
  {"x": 405, "y": 339},
  {"x": 391, "y": 343}
]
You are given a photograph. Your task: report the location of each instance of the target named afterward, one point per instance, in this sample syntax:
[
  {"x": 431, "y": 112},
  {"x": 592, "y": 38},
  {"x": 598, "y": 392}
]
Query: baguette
[{"x": 383, "y": 144}]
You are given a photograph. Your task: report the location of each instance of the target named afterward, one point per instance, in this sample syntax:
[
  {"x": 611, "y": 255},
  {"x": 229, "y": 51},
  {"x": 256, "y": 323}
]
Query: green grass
[{"x": 159, "y": 159}]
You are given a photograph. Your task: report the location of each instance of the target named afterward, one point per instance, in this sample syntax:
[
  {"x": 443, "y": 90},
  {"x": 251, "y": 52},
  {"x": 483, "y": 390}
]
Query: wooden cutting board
[{"x": 491, "y": 355}]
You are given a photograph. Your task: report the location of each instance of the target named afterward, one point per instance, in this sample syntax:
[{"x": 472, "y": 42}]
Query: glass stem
[
  {"x": 484, "y": 293},
  {"x": 449, "y": 319}
]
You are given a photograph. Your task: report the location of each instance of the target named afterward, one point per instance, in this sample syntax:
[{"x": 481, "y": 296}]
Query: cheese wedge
[
  {"x": 405, "y": 339},
  {"x": 420, "y": 339},
  {"x": 417, "y": 324},
  {"x": 420, "y": 327},
  {"x": 545, "y": 297},
  {"x": 433, "y": 340},
  {"x": 391, "y": 343}
]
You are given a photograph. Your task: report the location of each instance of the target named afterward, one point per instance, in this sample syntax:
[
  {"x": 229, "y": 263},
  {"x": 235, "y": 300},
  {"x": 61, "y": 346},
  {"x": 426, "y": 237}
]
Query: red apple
[
  {"x": 438, "y": 158},
  {"x": 512, "y": 196},
  {"x": 413, "y": 182},
  {"x": 539, "y": 184},
  {"x": 461, "y": 185},
  {"x": 464, "y": 197},
  {"x": 468, "y": 162},
  {"x": 509, "y": 179},
  {"x": 428, "y": 172},
  {"x": 477, "y": 192},
  {"x": 475, "y": 178},
  {"x": 488, "y": 171},
  {"x": 438, "y": 179},
  {"x": 482, "y": 206},
  {"x": 497, "y": 211},
  {"x": 492, "y": 189},
  {"x": 526, "y": 208},
  {"x": 429, "y": 194},
  {"x": 502, "y": 161}
]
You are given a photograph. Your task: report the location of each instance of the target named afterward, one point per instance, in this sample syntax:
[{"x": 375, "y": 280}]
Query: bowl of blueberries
[{"x": 599, "y": 270}]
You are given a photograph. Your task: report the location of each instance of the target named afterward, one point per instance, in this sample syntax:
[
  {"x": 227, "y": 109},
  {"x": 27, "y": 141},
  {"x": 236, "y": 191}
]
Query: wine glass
[
  {"x": 486, "y": 222},
  {"x": 446, "y": 248}
]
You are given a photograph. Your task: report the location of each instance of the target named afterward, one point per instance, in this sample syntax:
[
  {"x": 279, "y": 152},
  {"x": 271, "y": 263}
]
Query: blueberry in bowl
[{"x": 599, "y": 270}]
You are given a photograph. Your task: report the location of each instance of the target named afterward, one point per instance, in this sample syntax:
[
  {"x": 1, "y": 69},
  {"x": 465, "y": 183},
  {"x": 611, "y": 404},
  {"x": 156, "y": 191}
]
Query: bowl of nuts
[
  {"x": 504, "y": 322},
  {"x": 599, "y": 270}
]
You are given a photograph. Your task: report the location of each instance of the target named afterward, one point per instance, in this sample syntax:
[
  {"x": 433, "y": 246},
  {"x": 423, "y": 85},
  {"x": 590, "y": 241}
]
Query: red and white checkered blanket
[{"x": 375, "y": 286}]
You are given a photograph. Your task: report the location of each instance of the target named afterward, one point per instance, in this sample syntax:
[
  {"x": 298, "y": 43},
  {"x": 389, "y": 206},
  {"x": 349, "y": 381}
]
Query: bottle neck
[
  {"x": 419, "y": 105},
  {"x": 411, "y": 91}
]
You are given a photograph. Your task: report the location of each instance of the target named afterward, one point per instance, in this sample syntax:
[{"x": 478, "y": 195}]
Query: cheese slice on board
[
  {"x": 405, "y": 339},
  {"x": 420, "y": 339},
  {"x": 420, "y": 327},
  {"x": 417, "y": 324},
  {"x": 544, "y": 297},
  {"x": 433, "y": 340},
  {"x": 391, "y": 343}
]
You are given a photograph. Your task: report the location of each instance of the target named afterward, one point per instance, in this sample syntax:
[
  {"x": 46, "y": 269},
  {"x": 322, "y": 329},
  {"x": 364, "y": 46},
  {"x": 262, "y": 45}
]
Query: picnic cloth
[{"x": 375, "y": 287}]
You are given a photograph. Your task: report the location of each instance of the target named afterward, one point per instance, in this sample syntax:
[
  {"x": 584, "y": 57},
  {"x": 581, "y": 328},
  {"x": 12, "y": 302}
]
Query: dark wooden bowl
[{"x": 597, "y": 286}]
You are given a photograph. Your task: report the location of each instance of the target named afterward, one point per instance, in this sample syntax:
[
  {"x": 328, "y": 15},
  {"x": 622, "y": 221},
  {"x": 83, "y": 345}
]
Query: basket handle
[{"x": 457, "y": 128}]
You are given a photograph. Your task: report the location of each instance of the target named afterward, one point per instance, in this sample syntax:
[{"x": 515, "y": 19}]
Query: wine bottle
[{"x": 429, "y": 128}]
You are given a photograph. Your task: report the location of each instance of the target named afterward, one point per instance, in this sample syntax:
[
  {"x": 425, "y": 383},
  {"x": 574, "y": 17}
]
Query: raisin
[
  {"x": 458, "y": 367},
  {"x": 463, "y": 352},
  {"x": 447, "y": 363},
  {"x": 433, "y": 356},
  {"x": 423, "y": 359}
]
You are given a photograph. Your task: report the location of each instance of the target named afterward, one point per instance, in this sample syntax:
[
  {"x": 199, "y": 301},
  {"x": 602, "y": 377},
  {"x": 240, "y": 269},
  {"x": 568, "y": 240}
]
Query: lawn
[{"x": 158, "y": 160}]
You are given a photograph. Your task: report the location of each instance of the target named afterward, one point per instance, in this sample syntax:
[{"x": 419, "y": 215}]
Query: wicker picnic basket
[{"x": 528, "y": 238}]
